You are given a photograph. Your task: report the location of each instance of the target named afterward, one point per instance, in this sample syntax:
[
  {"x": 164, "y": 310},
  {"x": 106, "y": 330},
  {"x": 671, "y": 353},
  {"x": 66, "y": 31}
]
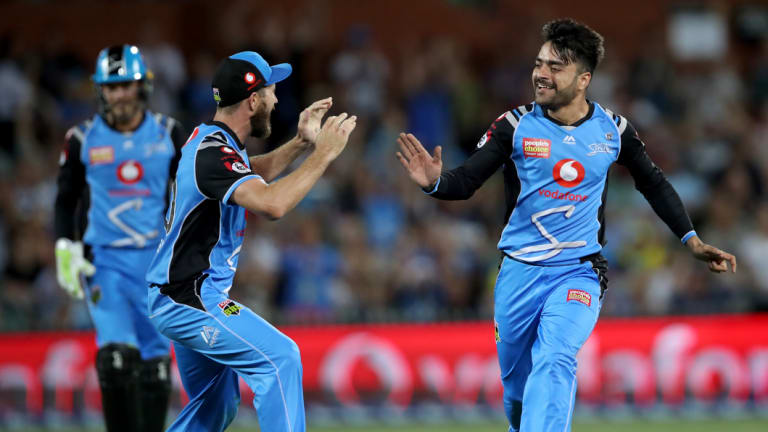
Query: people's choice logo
[{"x": 568, "y": 172}]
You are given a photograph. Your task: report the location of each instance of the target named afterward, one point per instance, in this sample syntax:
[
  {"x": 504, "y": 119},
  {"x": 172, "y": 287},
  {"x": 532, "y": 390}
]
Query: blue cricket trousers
[
  {"x": 119, "y": 313},
  {"x": 543, "y": 315},
  {"x": 216, "y": 345}
]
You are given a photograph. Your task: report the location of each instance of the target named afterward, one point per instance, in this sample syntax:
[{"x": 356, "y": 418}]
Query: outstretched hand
[
  {"x": 423, "y": 168},
  {"x": 716, "y": 259},
  {"x": 310, "y": 119},
  {"x": 333, "y": 136}
]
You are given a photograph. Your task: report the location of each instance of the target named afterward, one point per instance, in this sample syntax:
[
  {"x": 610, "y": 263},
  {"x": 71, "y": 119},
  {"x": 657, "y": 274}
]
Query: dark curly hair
[{"x": 573, "y": 41}]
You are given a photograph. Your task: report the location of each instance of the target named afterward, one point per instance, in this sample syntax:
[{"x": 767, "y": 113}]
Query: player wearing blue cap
[
  {"x": 217, "y": 339},
  {"x": 114, "y": 175},
  {"x": 555, "y": 154}
]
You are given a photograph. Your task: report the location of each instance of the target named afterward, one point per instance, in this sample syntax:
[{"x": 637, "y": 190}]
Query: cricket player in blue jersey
[
  {"x": 217, "y": 339},
  {"x": 555, "y": 154},
  {"x": 115, "y": 172}
]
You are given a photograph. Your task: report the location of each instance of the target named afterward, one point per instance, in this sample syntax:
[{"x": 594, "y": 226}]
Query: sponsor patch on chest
[
  {"x": 537, "y": 147},
  {"x": 579, "y": 296},
  {"x": 101, "y": 155}
]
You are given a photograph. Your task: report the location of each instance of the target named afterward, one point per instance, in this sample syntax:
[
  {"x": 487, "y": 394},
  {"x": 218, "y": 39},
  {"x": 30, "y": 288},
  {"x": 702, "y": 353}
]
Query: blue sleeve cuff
[
  {"x": 688, "y": 236},
  {"x": 234, "y": 186},
  {"x": 434, "y": 189}
]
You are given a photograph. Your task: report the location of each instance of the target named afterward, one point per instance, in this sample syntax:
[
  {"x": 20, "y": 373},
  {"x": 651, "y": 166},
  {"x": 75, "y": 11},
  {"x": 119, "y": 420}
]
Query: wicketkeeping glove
[{"x": 70, "y": 262}]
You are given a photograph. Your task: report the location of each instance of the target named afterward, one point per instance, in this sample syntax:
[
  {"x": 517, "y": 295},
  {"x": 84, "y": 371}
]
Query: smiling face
[{"x": 556, "y": 83}]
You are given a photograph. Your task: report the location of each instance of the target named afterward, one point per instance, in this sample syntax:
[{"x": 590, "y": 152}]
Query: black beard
[
  {"x": 561, "y": 98},
  {"x": 260, "y": 124},
  {"x": 125, "y": 114}
]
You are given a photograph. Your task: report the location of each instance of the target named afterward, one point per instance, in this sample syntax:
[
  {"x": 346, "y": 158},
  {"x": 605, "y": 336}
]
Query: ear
[
  {"x": 253, "y": 101},
  {"x": 584, "y": 79}
]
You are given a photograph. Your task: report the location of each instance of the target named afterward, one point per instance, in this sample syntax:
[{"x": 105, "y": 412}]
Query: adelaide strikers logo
[
  {"x": 130, "y": 172},
  {"x": 568, "y": 172}
]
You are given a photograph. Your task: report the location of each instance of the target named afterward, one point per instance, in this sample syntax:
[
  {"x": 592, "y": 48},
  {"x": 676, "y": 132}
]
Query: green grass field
[{"x": 755, "y": 425}]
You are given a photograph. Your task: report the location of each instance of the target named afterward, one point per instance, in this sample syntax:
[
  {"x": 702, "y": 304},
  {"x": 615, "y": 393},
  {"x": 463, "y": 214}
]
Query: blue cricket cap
[{"x": 241, "y": 74}]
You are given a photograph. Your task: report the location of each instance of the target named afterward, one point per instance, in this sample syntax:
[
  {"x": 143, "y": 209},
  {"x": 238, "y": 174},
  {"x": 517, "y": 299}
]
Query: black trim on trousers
[{"x": 186, "y": 292}]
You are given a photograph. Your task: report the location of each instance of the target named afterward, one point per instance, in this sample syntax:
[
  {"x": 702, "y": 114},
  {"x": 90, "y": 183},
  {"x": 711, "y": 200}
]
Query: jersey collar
[
  {"x": 227, "y": 130},
  {"x": 578, "y": 122}
]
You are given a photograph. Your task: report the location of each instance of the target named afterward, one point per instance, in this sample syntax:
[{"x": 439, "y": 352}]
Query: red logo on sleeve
[{"x": 233, "y": 161}]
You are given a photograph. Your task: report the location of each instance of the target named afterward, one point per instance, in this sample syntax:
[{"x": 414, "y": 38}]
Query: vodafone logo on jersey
[
  {"x": 568, "y": 172},
  {"x": 130, "y": 172}
]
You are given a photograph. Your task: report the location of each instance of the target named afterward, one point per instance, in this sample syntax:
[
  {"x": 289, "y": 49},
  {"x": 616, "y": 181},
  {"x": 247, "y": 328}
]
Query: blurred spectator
[
  {"x": 753, "y": 249},
  {"x": 310, "y": 286},
  {"x": 360, "y": 73},
  {"x": 169, "y": 68},
  {"x": 17, "y": 97},
  {"x": 197, "y": 93}
]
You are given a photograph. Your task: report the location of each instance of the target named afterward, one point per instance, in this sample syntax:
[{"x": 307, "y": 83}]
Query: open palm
[
  {"x": 423, "y": 168},
  {"x": 310, "y": 119}
]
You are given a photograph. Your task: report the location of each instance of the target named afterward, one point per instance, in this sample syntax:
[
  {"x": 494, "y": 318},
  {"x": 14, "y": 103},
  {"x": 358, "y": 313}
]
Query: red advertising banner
[{"x": 645, "y": 361}]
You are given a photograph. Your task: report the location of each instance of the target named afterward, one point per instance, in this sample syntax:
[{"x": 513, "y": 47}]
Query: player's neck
[
  {"x": 571, "y": 113},
  {"x": 241, "y": 127}
]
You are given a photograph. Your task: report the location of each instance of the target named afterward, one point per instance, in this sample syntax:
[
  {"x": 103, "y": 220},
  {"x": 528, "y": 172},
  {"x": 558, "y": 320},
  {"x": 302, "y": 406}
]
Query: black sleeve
[
  {"x": 652, "y": 183},
  {"x": 217, "y": 168},
  {"x": 179, "y": 138},
  {"x": 492, "y": 151},
  {"x": 71, "y": 183}
]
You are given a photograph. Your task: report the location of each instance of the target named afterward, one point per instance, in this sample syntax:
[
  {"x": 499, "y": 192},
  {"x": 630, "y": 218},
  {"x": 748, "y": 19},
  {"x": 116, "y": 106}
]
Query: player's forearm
[
  {"x": 63, "y": 217},
  {"x": 65, "y": 207},
  {"x": 452, "y": 185},
  {"x": 280, "y": 197},
  {"x": 272, "y": 164},
  {"x": 461, "y": 182},
  {"x": 669, "y": 207},
  {"x": 70, "y": 184}
]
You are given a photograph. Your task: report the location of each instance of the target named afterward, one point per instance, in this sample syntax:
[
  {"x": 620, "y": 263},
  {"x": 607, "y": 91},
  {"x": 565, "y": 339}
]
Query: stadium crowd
[{"x": 366, "y": 245}]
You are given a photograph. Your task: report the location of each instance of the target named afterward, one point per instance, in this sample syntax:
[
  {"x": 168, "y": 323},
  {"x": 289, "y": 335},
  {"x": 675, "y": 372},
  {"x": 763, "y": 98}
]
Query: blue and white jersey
[
  {"x": 555, "y": 177},
  {"x": 562, "y": 172},
  {"x": 204, "y": 228},
  {"x": 121, "y": 178}
]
